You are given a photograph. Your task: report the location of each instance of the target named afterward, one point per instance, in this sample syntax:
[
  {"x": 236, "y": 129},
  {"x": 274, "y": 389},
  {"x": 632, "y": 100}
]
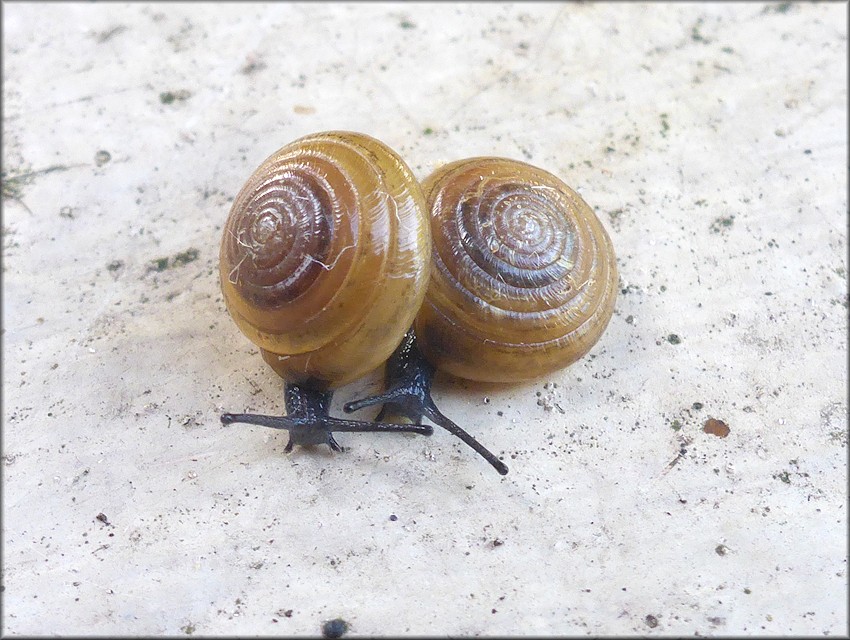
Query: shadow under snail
[{"x": 329, "y": 248}]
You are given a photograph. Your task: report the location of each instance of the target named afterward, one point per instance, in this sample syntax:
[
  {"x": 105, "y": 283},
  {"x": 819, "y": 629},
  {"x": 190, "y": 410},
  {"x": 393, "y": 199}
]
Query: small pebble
[{"x": 334, "y": 628}]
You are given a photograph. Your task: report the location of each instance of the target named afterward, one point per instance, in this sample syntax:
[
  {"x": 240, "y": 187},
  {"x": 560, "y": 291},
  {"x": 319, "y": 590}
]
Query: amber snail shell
[
  {"x": 325, "y": 257},
  {"x": 523, "y": 275}
]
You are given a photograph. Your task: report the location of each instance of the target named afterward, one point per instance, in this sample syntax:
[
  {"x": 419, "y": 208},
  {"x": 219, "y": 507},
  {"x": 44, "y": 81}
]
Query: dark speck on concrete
[
  {"x": 103, "y": 36},
  {"x": 185, "y": 257},
  {"x": 784, "y": 477},
  {"x": 335, "y": 628},
  {"x": 168, "y": 97},
  {"x": 665, "y": 126},
  {"x": 179, "y": 260},
  {"x": 721, "y": 223},
  {"x": 782, "y": 7},
  {"x": 696, "y": 36},
  {"x": 252, "y": 65}
]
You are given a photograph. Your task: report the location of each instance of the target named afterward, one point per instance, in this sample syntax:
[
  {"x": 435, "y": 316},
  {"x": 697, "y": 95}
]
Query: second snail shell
[
  {"x": 325, "y": 257},
  {"x": 523, "y": 275}
]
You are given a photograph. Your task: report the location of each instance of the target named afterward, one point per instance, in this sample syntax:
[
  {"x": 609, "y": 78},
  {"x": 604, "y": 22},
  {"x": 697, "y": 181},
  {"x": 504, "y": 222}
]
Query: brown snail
[
  {"x": 523, "y": 276},
  {"x": 324, "y": 260},
  {"x": 523, "y": 282}
]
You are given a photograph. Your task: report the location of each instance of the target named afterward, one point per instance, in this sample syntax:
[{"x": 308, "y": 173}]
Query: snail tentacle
[
  {"x": 409, "y": 377},
  {"x": 308, "y": 422},
  {"x": 388, "y": 397},
  {"x": 440, "y": 419}
]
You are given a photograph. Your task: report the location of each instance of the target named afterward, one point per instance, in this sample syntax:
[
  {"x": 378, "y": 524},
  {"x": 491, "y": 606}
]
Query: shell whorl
[
  {"x": 523, "y": 277},
  {"x": 324, "y": 256}
]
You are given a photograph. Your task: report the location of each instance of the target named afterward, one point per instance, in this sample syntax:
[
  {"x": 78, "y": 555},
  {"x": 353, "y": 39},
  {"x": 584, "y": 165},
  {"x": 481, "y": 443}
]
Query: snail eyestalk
[
  {"x": 308, "y": 421},
  {"x": 409, "y": 377}
]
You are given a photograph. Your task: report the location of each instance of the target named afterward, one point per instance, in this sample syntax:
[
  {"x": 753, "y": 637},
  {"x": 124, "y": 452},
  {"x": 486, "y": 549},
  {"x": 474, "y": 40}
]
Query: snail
[
  {"x": 323, "y": 265},
  {"x": 523, "y": 276},
  {"x": 523, "y": 283},
  {"x": 324, "y": 261}
]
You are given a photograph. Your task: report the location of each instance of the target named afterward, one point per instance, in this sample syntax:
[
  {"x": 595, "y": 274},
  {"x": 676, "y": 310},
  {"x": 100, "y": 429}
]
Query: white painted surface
[{"x": 712, "y": 141}]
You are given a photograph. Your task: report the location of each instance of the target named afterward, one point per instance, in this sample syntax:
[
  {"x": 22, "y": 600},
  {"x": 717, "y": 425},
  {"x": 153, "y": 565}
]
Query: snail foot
[
  {"x": 409, "y": 376},
  {"x": 308, "y": 420}
]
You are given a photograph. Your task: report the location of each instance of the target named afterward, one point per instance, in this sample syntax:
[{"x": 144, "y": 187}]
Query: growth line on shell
[
  {"x": 587, "y": 281},
  {"x": 248, "y": 249},
  {"x": 239, "y": 239},
  {"x": 395, "y": 212},
  {"x": 331, "y": 266},
  {"x": 235, "y": 270},
  {"x": 389, "y": 203},
  {"x": 543, "y": 187}
]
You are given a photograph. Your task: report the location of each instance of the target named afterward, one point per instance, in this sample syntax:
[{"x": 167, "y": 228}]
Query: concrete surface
[{"x": 712, "y": 141}]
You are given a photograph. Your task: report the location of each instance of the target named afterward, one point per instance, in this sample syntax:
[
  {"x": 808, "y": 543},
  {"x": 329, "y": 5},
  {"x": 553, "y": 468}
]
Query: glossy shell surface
[
  {"x": 325, "y": 257},
  {"x": 523, "y": 276}
]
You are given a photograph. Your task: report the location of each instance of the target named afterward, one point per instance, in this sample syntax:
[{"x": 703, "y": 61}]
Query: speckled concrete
[{"x": 712, "y": 141}]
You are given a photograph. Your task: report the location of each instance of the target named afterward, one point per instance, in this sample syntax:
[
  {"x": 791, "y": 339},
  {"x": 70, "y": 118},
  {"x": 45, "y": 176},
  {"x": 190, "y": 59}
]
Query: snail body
[
  {"x": 523, "y": 276},
  {"x": 325, "y": 256}
]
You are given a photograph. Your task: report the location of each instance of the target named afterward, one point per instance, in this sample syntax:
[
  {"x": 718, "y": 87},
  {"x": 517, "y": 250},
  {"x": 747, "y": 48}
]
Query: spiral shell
[
  {"x": 523, "y": 277},
  {"x": 325, "y": 257}
]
